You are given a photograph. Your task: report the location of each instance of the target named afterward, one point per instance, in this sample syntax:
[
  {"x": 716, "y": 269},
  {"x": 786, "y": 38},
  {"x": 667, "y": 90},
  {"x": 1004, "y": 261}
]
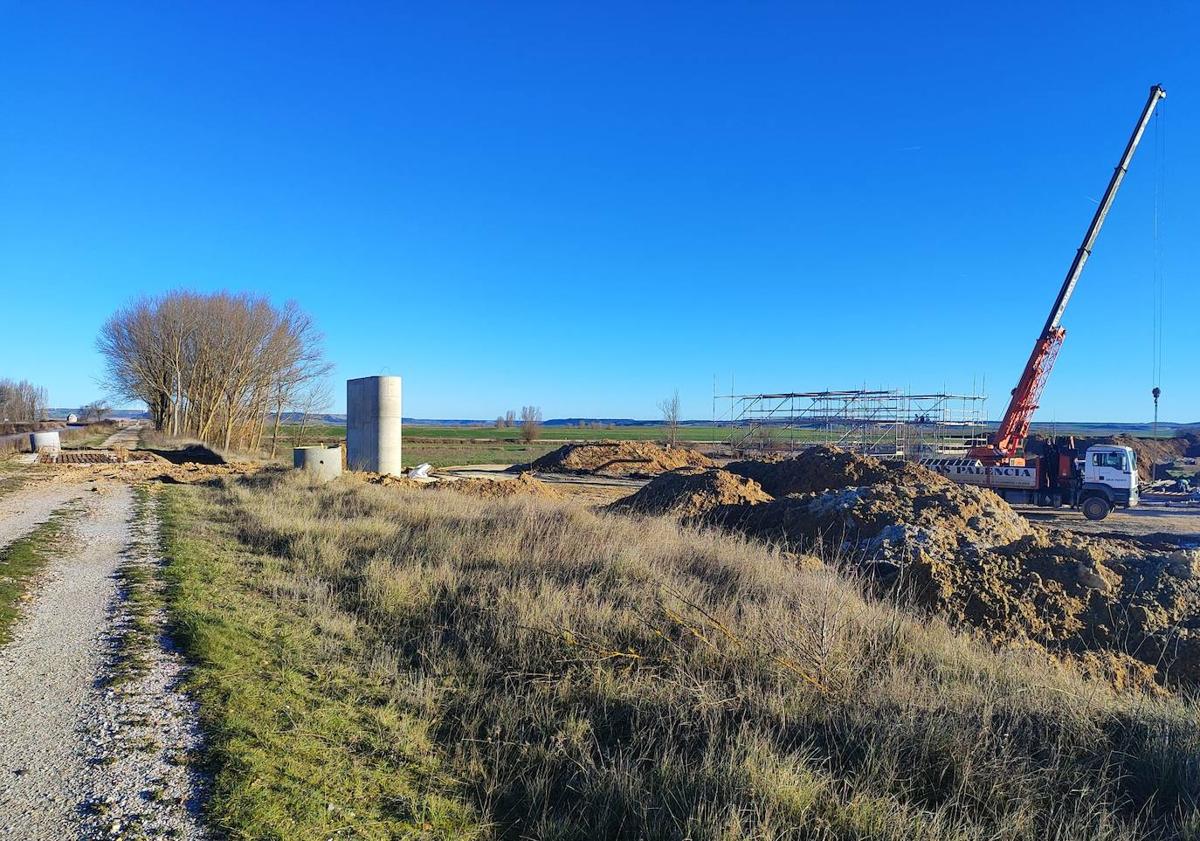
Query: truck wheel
[{"x": 1096, "y": 508}]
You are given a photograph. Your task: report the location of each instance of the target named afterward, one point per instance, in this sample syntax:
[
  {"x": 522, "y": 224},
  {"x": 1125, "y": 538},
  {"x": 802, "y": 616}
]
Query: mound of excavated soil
[
  {"x": 619, "y": 458},
  {"x": 690, "y": 493},
  {"x": 523, "y": 485},
  {"x": 870, "y": 511},
  {"x": 819, "y": 469}
]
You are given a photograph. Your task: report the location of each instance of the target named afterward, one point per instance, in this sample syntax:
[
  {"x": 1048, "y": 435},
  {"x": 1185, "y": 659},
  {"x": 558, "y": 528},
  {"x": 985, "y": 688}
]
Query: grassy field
[
  {"x": 443, "y": 446},
  {"x": 547, "y": 433},
  {"x": 376, "y": 662}
]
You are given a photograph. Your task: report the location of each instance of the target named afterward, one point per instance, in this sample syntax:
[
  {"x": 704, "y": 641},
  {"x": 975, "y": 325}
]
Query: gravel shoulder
[{"x": 78, "y": 758}]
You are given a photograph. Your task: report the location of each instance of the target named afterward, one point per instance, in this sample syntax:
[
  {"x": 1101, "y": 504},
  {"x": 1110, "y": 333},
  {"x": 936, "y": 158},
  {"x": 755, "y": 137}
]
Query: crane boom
[{"x": 1010, "y": 436}]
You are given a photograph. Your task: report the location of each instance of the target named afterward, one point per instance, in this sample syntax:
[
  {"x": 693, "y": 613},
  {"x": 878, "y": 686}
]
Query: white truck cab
[{"x": 1109, "y": 479}]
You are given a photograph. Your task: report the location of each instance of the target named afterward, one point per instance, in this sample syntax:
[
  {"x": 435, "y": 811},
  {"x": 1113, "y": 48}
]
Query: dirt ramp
[
  {"x": 691, "y": 493},
  {"x": 620, "y": 459}
]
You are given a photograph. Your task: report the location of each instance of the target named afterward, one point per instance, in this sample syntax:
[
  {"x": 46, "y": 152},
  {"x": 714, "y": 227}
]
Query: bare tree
[
  {"x": 22, "y": 401},
  {"x": 670, "y": 415},
  {"x": 510, "y": 419},
  {"x": 314, "y": 400},
  {"x": 97, "y": 410},
  {"x": 531, "y": 423},
  {"x": 213, "y": 366}
]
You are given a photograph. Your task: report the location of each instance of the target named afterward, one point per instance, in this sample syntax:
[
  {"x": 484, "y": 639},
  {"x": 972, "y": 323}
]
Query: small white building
[{"x": 72, "y": 418}]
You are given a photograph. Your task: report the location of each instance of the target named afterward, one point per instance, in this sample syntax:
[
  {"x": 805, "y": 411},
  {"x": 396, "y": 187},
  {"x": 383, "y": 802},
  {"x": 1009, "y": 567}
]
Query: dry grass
[{"x": 589, "y": 676}]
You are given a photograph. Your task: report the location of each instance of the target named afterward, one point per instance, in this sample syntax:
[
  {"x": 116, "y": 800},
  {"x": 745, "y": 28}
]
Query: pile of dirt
[
  {"x": 860, "y": 508},
  {"x": 523, "y": 485},
  {"x": 1123, "y": 609},
  {"x": 818, "y": 469},
  {"x": 690, "y": 493},
  {"x": 619, "y": 458},
  {"x": 388, "y": 480}
]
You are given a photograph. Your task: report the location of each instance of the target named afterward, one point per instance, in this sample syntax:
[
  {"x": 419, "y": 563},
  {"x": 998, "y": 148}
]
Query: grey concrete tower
[{"x": 373, "y": 428}]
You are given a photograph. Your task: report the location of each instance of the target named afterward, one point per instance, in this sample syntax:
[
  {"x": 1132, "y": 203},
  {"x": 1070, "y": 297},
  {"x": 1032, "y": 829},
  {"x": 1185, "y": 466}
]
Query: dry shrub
[{"x": 592, "y": 676}]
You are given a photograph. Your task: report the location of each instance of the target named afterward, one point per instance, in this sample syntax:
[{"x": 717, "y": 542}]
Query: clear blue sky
[{"x": 586, "y": 205}]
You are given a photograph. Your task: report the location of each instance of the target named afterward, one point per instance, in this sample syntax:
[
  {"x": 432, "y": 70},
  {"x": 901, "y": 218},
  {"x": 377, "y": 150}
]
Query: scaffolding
[{"x": 884, "y": 423}]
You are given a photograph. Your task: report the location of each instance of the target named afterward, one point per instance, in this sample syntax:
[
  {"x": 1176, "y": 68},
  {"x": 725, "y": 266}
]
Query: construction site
[
  {"x": 860, "y": 613},
  {"x": 879, "y": 422}
]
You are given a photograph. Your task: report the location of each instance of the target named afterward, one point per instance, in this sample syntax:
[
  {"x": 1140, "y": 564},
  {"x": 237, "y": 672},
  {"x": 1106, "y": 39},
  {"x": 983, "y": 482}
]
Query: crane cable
[{"x": 1158, "y": 299}]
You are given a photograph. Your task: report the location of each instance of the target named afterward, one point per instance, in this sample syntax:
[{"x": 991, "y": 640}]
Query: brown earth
[
  {"x": 1125, "y": 609},
  {"x": 385, "y": 479},
  {"x": 156, "y": 469},
  {"x": 523, "y": 485},
  {"x": 690, "y": 493},
  {"x": 818, "y": 469},
  {"x": 619, "y": 458}
]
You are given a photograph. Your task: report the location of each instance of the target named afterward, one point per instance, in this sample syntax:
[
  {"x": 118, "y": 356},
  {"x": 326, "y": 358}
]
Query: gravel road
[
  {"x": 126, "y": 438},
  {"x": 79, "y": 759},
  {"x": 25, "y": 508}
]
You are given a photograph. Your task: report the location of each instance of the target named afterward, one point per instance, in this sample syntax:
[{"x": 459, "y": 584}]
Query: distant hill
[{"x": 1091, "y": 429}]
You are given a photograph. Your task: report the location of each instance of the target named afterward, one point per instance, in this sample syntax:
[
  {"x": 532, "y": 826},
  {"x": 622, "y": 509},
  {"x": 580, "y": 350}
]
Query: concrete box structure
[
  {"x": 373, "y": 427},
  {"x": 323, "y": 463}
]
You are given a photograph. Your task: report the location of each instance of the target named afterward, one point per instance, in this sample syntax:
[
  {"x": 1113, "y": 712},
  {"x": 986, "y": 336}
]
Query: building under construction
[{"x": 884, "y": 423}]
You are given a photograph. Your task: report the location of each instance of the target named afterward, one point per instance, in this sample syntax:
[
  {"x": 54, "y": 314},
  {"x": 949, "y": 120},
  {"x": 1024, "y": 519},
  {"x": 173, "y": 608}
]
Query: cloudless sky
[{"x": 586, "y": 205}]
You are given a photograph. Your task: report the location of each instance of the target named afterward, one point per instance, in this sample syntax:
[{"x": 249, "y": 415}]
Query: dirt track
[
  {"x": 79, "y": 759},
  {"x": 1154, "y": 523}
]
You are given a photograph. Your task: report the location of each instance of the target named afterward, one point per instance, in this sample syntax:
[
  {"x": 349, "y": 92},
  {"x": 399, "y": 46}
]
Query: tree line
[
  {"x": 217, "y": 367},
  {"x": 21, "y": 401}
]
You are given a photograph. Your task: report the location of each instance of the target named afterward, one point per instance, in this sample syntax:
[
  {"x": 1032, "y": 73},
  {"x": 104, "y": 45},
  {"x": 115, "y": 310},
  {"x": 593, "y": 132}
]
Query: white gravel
[
  {"x": 78, "y": 759},
  {"x": 27, "y": 507}
]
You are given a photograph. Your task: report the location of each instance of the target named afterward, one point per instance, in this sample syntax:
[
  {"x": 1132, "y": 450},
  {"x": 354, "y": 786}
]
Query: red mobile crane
[
  {"x": 1010, "y": 437},
  {"x": 1106, "y": 476}
]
